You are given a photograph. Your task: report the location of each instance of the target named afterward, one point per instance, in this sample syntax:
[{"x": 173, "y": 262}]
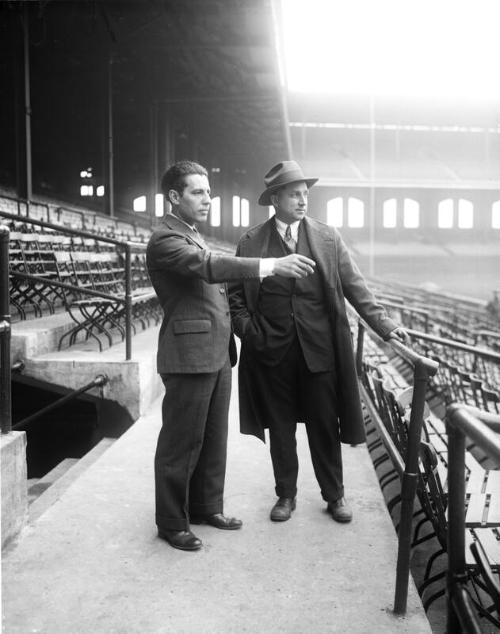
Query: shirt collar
[{"x": 294, "y": 228}]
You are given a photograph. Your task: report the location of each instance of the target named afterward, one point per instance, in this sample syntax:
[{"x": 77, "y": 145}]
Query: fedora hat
[{"x": 282, "y": 174}]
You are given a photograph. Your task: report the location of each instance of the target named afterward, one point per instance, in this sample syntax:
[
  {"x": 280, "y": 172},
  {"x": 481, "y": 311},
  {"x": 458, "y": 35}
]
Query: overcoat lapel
[
  {"x": 257, "y": 248},
  {"x": 322, "y": 247}
]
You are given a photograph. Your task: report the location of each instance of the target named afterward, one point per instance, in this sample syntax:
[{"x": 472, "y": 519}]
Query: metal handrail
[
  {"x": 5, "y": 334},
  {"x": 462, "y": 422},
  {"x": 480, "y": 352},
  {"x": 99, "y": 381},
  {"x": 423, "y": 370}
]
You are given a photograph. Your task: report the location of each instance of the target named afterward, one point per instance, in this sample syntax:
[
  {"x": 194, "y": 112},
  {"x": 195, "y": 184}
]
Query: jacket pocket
[{"x": 187, "y": 326}]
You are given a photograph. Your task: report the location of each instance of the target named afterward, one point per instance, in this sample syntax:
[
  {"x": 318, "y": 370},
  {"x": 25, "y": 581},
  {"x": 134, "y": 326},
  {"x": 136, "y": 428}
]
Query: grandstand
[{"x": 103, "y": 97}]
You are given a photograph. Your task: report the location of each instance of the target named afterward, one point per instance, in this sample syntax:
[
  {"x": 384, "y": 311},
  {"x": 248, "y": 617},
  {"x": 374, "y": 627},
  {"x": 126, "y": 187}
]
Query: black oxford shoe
[
  {"x": 340, "y": 510},
  {"x": 183, "y": 540},
  {"x": 219, "y": 521},
  {"x": 282, "y": 510}
]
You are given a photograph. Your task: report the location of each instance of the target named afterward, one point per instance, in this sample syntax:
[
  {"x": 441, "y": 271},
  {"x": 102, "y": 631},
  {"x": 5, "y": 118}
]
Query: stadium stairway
[{"x": 91, "y": 560}]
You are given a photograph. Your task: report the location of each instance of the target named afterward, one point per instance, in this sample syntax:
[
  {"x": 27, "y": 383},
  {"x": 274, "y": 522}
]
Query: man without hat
[{"x": 297, "y": 362}]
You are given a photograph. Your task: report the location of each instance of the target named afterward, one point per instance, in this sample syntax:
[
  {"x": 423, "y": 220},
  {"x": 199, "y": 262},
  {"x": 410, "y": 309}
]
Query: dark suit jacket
[
  {"x": 189, "y": 281},
  {"x": 341, "y": 279}
]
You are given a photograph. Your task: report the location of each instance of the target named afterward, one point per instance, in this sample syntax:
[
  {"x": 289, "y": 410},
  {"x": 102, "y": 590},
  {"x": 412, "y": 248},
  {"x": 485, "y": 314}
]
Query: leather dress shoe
[
  {"x": 219, "y": 521},
  {"x": 282, "y": 510},
  {"x": 183, "y": 540},
  {"x": 340, "y": 510}
]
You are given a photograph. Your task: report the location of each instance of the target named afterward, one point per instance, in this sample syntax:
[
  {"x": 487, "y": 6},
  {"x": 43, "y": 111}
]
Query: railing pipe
[
  {"x": 5, "y": 334},
  {"x": 481, "y": 352},
  {"x": 128, "y": 303},
  {"x": 99, "y": 381},
  {"x": 69, "y": 287}
]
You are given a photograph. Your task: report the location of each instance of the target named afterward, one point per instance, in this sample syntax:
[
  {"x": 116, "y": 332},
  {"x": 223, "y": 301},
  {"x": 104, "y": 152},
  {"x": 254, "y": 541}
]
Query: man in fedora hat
[{"x": 297, "y": 361}]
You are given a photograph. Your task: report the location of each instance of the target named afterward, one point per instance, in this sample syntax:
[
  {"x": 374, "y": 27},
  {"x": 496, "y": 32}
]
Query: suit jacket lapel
[{"x": 174, "y": 223}]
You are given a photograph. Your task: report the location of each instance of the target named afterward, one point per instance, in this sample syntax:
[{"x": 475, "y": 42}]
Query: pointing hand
[{"x": 294, "y": 265}]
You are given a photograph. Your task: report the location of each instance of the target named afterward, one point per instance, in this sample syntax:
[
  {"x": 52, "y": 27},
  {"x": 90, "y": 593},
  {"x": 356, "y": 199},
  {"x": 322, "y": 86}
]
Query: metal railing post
[
  {"x": 128, "y": 303},
  {"x": 456, "y": 521},
  {"x": 409, "y": 486},
  {"x": 5, "y": 334}
]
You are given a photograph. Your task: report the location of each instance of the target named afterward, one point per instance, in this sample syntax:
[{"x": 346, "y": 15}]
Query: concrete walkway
[{"x": 92, "y": 563}]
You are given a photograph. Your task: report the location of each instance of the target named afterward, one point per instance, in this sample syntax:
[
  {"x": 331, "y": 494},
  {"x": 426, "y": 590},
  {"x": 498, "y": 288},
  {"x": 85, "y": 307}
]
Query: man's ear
[
  {"x": 274, "y": 199},
  {"x": 174, "y": 196}
]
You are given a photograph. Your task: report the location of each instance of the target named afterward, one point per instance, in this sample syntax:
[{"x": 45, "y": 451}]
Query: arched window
[
  {"x": 355, "y": 213},
  {"x": 411, "y": 213},
  {"x": 236, "y": 211},
  {"x": 139, "y": 203},
  {"x": 445, "y": 214},
  {"x": 465, "y": 214},
  {"x": 159, "y": 205},
  {"x": 215, "y": 212},
  {"x": 335, "y": 212},
  {"x": 244, "y": 212},
  {"x": 495, "y": 215},
  {"x": 390, "y": 213}
]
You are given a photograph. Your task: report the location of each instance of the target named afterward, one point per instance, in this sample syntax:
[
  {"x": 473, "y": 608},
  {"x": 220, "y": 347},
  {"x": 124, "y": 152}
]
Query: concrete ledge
[
  {"x": 14, "y": 484},
  {"x": 133, "y": 384}
]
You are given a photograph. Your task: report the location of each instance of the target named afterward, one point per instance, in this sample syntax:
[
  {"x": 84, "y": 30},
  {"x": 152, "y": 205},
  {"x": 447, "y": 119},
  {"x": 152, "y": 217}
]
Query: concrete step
[
  {"x": 36, "y": 486},
  {"x": 68, "y": 475}
]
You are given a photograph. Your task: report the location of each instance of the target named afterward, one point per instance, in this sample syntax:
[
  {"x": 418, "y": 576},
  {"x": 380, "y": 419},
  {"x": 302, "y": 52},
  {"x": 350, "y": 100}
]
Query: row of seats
[
  {"x": 78, "y": 219},
  {"x": 438, "y": 313},
  {"x": 53, "y": 270}
]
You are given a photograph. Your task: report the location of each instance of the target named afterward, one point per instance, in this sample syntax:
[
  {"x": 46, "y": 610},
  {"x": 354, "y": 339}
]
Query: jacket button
[{"x": 222, "y": 291}]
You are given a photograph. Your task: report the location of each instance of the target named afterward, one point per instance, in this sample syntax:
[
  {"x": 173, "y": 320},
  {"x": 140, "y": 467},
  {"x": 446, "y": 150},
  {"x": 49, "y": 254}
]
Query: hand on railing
[{"x": 400, "y": 334}]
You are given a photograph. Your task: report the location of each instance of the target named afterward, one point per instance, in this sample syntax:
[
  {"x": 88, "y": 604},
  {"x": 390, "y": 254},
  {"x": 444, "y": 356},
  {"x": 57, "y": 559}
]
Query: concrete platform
[
  {"x": 93, "y": 563},
  {"x": 133, "y": 384}
]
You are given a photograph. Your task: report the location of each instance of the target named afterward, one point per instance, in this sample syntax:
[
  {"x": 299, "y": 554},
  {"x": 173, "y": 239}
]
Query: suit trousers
[
  {"x": 292, "y": 393},
  {"x": 190, "y": 459}
]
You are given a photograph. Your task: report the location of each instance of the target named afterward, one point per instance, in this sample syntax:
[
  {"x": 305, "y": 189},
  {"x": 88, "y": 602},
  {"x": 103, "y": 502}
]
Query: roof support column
[
  {"x": 110, "y": 154},
  {"x": 28, "y": 182}
]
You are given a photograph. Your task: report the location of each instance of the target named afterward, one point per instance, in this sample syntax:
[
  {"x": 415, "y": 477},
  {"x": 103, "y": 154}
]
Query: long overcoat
[{"x": 341, "y": 279}]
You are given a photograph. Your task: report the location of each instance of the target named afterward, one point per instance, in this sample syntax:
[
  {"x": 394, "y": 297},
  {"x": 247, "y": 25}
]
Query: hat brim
[{"x": 265, "y": 197}]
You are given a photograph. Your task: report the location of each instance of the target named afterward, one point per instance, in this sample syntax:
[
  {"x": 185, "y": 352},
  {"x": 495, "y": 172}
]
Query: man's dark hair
[{"x": 175, "y": 176}]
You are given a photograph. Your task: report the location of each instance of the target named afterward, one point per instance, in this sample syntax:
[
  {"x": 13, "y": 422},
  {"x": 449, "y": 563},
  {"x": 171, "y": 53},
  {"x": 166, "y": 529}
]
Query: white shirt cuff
[{"x": 266, "y": 267}]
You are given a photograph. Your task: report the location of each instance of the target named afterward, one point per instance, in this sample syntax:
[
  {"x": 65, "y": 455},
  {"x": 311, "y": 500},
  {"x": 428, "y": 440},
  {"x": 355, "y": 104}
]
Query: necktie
[{"x": 289, "y": 241}]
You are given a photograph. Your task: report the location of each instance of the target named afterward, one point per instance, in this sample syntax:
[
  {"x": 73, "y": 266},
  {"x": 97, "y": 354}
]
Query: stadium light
[{"x": 392, "y": 47}]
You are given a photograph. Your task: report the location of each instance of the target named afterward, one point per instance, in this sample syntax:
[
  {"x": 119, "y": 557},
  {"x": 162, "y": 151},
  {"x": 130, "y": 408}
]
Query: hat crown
[
  {"x": 283, "y": 173},
  {"x": 280, "y": 175}
]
